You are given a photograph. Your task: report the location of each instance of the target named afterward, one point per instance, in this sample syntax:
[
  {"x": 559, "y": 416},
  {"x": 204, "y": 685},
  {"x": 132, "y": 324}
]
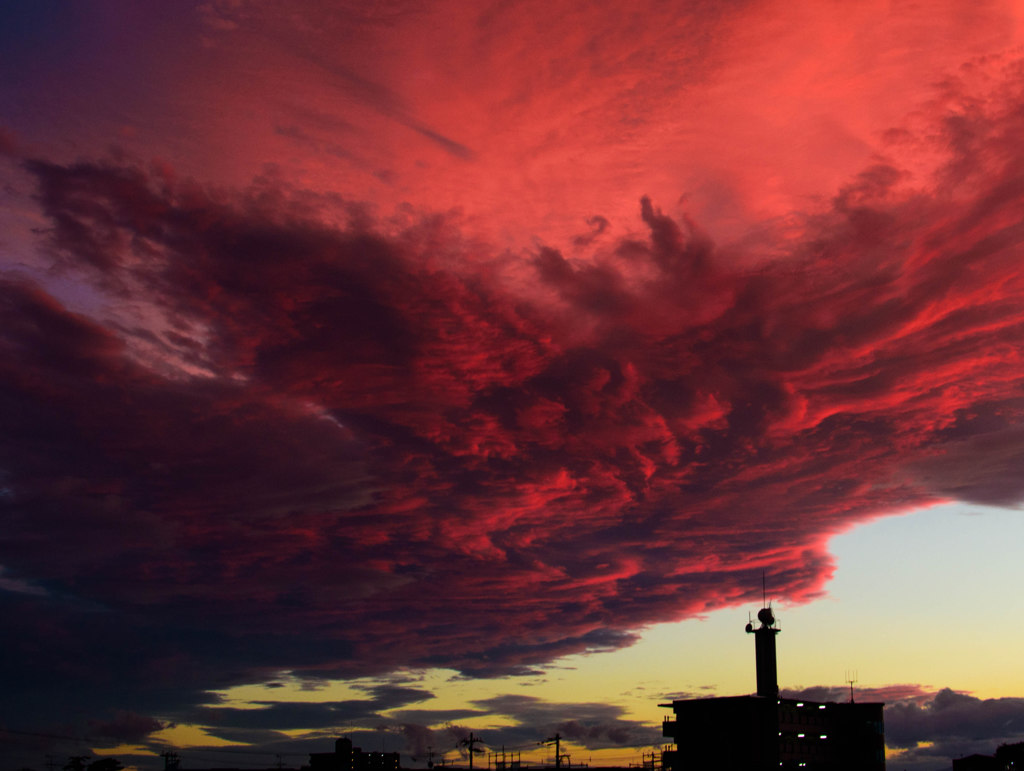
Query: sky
[{"x": 402, "y": 369}]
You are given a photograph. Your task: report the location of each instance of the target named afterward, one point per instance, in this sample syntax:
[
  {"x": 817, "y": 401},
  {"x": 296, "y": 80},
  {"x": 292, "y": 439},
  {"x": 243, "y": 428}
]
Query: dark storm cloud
[
  {"x": 980, "y": 468},
  {"x": 955, "y": 720},
  {"x": 524, "y": 721},
  {"x": 429, "y": 717},
  {"x": 125, "y": 727},
  {"x": 334, "y": 449},
  {"x": 283, "y": 716},
  {"x": 594, "y": 726},
  {"x": 85, "y": 663}
]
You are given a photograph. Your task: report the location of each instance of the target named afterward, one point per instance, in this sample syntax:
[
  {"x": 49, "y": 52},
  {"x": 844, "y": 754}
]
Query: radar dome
[{"x": 765, "y": 616}]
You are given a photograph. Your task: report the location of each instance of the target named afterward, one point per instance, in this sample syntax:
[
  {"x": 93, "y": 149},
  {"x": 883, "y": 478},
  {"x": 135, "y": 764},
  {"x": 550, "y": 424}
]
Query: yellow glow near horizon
[
  {"x": 122, "y": 749},
  {"x": 184, "y": 735}
]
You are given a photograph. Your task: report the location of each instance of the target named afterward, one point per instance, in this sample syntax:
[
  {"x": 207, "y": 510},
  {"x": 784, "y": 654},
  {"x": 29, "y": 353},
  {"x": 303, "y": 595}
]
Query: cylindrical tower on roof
[{"x": 764, "y": 654}]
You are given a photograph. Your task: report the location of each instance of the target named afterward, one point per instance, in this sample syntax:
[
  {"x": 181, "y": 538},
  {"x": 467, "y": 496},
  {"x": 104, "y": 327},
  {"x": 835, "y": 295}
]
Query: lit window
[
  {"x": 821, "y": 706},
  {"x": 799, "y": 703},
  {"x": 823, "y": 736},
  {"x": 799, "y": 736}
]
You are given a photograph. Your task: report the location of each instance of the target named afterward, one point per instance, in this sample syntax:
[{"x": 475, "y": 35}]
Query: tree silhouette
[
  {"x": 78, "y": 763},
  {"x": 105, "y": 764}
]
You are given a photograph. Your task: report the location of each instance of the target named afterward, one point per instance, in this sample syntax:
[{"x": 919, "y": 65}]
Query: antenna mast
[{"x": 851, "y": 678}]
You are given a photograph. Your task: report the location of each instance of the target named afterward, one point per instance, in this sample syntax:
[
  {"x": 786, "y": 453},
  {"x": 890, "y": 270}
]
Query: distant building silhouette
[
  {"x": 348, "y": 758},
  {"x": 976, "y": 763},
  {"x": 1008, "y": 757},
  {"x": 764, "y": 732}
]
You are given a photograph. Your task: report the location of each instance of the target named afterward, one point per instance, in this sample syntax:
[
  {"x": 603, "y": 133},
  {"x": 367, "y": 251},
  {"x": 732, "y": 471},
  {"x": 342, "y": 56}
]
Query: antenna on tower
[
  {"x": 764, "y": 590},
  {"x": 851, "y": 678}
]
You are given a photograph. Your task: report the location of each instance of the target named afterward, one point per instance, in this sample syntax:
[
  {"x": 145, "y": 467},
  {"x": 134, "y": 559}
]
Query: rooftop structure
[
  {"x": 763, "y": 732},
  {"x": 348, "y": 758}
]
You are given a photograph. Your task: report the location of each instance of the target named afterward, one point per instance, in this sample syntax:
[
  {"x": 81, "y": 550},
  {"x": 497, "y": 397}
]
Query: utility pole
[
  {"x": 557, "y": 741},
  {"x": 470, "y": 742}
]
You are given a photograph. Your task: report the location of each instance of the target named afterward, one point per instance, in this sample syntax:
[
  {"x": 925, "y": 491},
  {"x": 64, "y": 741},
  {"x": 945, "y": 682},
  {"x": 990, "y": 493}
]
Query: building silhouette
[
  {"x": 1008, "y": 757},
  {"x": 977, "y": 763},
  {"x": 348, "y": 758},
  {"x": 763, "y": 731}
]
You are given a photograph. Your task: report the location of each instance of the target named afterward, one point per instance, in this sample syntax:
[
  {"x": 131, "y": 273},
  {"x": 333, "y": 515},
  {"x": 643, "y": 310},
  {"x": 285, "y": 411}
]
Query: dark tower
[
  {"x": 344, "y": 754},
  {"x": 764, "y": 652}
]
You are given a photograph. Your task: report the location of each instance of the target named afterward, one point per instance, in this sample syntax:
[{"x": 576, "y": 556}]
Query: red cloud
[{"x": 393, "y": 444}]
